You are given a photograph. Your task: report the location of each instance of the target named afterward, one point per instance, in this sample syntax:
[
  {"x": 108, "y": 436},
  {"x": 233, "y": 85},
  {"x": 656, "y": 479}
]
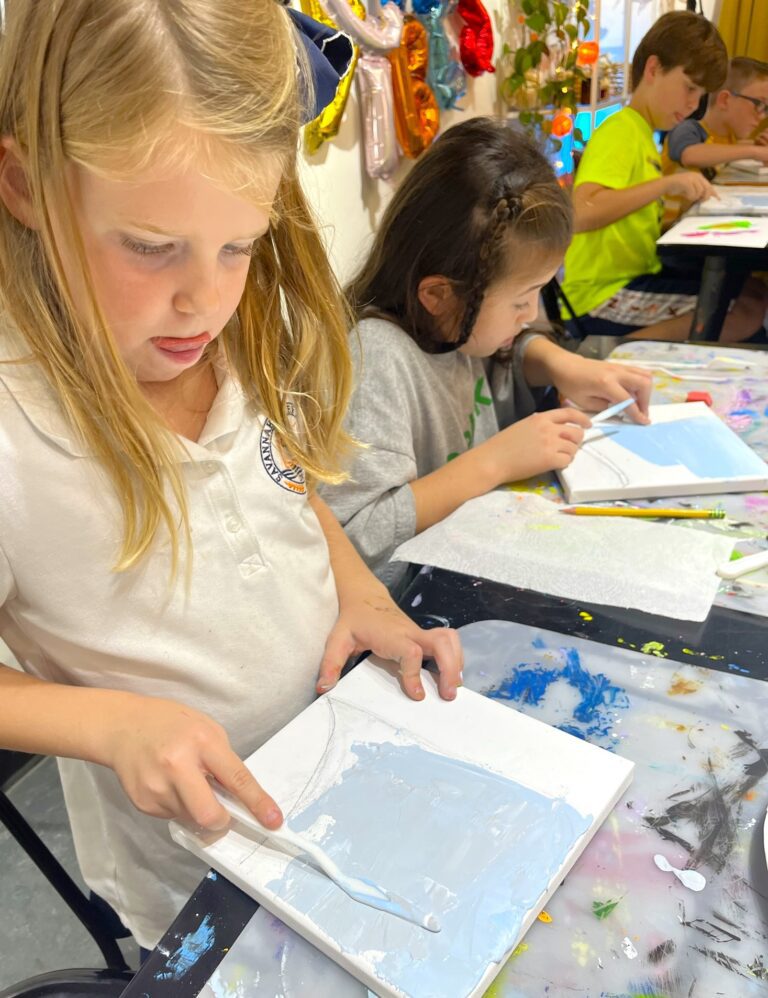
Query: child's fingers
[
  {"x": 201, "y": 807},
  {"x": 410, "y": 661},
  {"x": 574, "y": 434},
  {"x": 570, "y": 415},
  {"x": 339, "y": 646},
  {"x": 234, "y": 776},
  {"x": 444, "y": 646}
]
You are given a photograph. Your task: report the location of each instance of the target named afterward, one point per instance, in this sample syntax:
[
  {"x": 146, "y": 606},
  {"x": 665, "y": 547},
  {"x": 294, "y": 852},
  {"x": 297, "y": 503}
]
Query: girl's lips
[{"x": 181, "y": 344}]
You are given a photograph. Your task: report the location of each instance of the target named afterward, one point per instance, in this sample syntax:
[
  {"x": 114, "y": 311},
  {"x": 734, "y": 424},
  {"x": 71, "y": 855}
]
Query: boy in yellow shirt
[
  {"x": 726, "y": 131},
  {"x": 613, "y": 276}
]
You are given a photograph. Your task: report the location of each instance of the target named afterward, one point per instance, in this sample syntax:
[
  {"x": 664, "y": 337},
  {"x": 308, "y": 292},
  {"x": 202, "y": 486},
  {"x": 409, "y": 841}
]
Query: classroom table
[
  {"x": 686, "y": 701},
  {"x": 717, "y": 265}
]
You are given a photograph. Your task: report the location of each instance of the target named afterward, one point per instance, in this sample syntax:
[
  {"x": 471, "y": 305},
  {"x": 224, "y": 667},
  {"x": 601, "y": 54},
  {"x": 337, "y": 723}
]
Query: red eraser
[{"x": 699, "y": 397}]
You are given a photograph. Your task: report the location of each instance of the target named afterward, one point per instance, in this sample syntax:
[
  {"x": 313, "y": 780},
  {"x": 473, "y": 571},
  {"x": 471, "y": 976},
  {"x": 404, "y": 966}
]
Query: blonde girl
[{"x": 173, "y": 380}]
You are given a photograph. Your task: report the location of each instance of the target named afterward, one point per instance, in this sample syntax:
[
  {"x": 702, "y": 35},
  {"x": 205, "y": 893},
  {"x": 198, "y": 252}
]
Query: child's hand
[
  {"x": 690, "y": 185},
  {"x": 545, "y": 441},
  {"x": 163, "y": 752},
  {"x": 372, "y": 621},
  {"x": 595, "y": 384}
]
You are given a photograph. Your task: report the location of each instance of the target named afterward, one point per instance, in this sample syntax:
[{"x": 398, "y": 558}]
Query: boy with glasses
[{"x": 735, "y": 125}]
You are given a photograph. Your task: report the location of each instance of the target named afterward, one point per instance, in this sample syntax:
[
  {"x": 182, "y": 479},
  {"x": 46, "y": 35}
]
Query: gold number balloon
[
  {"x": 326, "y": 125},
  {"x": 417, "y": 117}
]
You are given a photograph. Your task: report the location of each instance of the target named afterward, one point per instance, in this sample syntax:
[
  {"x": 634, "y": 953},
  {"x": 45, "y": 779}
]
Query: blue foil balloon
[{"x": 445, "y": 74}]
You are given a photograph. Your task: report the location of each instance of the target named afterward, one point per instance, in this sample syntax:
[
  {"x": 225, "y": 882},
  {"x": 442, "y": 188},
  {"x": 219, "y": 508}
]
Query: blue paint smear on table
[
  {"x": 593, "y": 716},
  {"x": 705, "y": 446},
  {"x": 192, "y": 947},
  {"x": 475, "y": 848}
]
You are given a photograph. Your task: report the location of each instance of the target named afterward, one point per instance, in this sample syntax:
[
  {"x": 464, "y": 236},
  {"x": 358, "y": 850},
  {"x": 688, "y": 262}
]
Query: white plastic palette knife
[{"x": 364, "y": 891}]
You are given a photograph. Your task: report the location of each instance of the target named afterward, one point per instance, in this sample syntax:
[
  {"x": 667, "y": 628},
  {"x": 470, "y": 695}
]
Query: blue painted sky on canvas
[
  {"x": 705, "y": 446},
  {"x": 475, "y": 848}
]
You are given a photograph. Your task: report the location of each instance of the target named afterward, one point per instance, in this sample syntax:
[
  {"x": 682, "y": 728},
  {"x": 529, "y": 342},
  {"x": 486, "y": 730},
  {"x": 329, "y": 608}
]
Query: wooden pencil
[{"x": 673, "y": 514}]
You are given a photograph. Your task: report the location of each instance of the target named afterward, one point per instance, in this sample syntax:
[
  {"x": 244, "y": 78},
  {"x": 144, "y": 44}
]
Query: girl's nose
[{"x": 198, "y": 293}]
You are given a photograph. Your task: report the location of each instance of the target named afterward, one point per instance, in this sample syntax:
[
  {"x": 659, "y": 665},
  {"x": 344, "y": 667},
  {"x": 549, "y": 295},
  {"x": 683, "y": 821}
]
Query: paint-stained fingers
[
  {"x": 234, "y": 776},
  {"x": 409, "y": 662},
  {"x": 444, "y": 646},
  {"x": 338, "y": 648}
]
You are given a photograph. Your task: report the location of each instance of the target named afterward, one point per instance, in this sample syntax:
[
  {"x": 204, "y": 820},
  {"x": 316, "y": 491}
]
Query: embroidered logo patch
[{"x": 288, "y": 475}]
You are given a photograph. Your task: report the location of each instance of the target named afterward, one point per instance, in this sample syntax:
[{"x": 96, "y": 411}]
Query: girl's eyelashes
[
  {"x": 154, "y": 249},
  {"x": 145, "y": 249}
]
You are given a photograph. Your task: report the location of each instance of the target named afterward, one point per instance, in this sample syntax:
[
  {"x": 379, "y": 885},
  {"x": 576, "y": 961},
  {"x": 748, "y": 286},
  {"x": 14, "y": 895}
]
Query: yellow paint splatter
[
  {"x": 587, "y": 616},
  {"x": 580, "y": 952},
  {"x": 654, "y": 648},
  {"x": 519, "y": 950},
  {"x": 725, "y": 727},
  {"x": 680, "y": 686},
  {"x": 687, "y": 651},
  {"x": 544, "y": 916}
]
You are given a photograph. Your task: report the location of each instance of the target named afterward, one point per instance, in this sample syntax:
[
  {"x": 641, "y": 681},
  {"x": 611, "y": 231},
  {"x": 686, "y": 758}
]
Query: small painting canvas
[
  {"x": 470, "y": 811},
  {"x": 686, "y": 450},
  {"x": 726, "y": 230}
]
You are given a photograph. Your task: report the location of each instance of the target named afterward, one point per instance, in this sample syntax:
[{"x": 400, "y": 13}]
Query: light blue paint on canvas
[
  {"x": 705, "y": 446},
  {"x": 473, "y": 847}
]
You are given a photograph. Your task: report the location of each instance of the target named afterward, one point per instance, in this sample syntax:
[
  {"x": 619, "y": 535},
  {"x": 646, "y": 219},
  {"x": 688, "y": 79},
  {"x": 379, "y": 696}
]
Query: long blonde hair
[{"x": 103, "y": 83}]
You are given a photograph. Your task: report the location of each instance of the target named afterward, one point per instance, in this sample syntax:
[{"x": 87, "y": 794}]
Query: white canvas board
[
  {"x": 687, "y": 450},
  {"x": 736, "y": 201},
  {"x": 726, "y": 230},
  {"x": 435, "y": 833}
]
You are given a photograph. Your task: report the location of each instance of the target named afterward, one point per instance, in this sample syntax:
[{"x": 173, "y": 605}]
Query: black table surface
[{"x": 448, "y": 599}]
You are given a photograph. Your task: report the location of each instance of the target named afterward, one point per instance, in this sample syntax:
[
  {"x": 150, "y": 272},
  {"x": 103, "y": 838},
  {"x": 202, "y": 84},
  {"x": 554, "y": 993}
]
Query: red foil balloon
[
  {"x": 476, "y": 39},
  {"x": 417, "y": 117},
  {"x": 587, "y": 53}
]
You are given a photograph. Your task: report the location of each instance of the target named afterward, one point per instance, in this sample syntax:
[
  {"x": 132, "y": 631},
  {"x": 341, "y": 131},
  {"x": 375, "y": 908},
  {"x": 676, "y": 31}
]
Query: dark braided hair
[{"x": 478, "y": 205}]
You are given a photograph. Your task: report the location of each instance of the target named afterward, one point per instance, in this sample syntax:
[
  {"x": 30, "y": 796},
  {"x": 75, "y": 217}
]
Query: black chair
[
  {"x": 12, "y": 766},
  {"x": 552, "y": 295},
  {"x": 72, "y": 984}
]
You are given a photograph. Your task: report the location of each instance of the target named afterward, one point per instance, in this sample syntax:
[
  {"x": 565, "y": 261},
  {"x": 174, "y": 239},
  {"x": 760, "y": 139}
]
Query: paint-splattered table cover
[
  {"x": 740, "y": 398},
  {"x": 618, "y": 926}
]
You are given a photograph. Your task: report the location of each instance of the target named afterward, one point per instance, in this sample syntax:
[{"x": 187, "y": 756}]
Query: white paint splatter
[{"x": 629, "y": 950}]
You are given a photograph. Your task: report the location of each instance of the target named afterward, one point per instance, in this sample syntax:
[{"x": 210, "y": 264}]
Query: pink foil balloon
[
  {"x": 378, "y": 32},
  {"x": 374, "y": 82}
]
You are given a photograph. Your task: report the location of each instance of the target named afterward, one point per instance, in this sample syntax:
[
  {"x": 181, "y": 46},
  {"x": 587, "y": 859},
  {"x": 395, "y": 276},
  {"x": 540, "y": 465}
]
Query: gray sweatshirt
[{"x": 415, "y": 411}]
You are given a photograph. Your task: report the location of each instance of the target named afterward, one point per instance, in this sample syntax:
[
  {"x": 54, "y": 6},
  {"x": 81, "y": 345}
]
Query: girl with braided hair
[{"x": 448, "y": 377}]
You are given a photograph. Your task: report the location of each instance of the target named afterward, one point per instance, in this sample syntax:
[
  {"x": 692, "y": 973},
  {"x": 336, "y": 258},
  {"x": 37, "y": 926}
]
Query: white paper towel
[{"x": 523, "y": 540}]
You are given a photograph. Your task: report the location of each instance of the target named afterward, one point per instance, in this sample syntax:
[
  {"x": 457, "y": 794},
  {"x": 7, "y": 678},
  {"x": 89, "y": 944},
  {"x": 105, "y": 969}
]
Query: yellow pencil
[{"x": 675, "y": 514}]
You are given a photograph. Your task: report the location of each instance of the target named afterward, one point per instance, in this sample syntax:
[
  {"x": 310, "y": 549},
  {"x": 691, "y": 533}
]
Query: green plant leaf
[
  {"x": 537, "y": 22},
  {"x": 527, "y": 6},
  {"x": 572, "y": 31},
  {"x": 527, "y": 61}
]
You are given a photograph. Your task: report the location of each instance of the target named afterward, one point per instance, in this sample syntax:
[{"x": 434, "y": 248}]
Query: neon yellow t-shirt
[{"x": 621, "y": 153}]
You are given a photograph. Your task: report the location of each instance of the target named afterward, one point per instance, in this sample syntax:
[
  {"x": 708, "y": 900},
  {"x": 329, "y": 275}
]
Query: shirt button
[
  {"x": 210, "y": 467},
  {"x": 234, "y": 523}
]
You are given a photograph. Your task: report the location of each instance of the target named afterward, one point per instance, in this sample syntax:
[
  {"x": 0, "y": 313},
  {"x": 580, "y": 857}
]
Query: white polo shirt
[{"x": 243, "y": 643}]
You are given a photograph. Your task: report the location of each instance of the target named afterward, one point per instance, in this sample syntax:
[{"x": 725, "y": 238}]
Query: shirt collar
[{"x": 37, "y": 400}]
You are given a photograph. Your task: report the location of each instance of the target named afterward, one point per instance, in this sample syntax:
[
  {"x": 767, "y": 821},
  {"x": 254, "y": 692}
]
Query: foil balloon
[
  {"x": 445, "y": 75},
  {"x": 378, "y": 32},
  {"x": 476, "y": 39},
  {"x": 417, "y": 117},
  {"x": 374, "y": 84},
  {"x": 326, "y": 125}
]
